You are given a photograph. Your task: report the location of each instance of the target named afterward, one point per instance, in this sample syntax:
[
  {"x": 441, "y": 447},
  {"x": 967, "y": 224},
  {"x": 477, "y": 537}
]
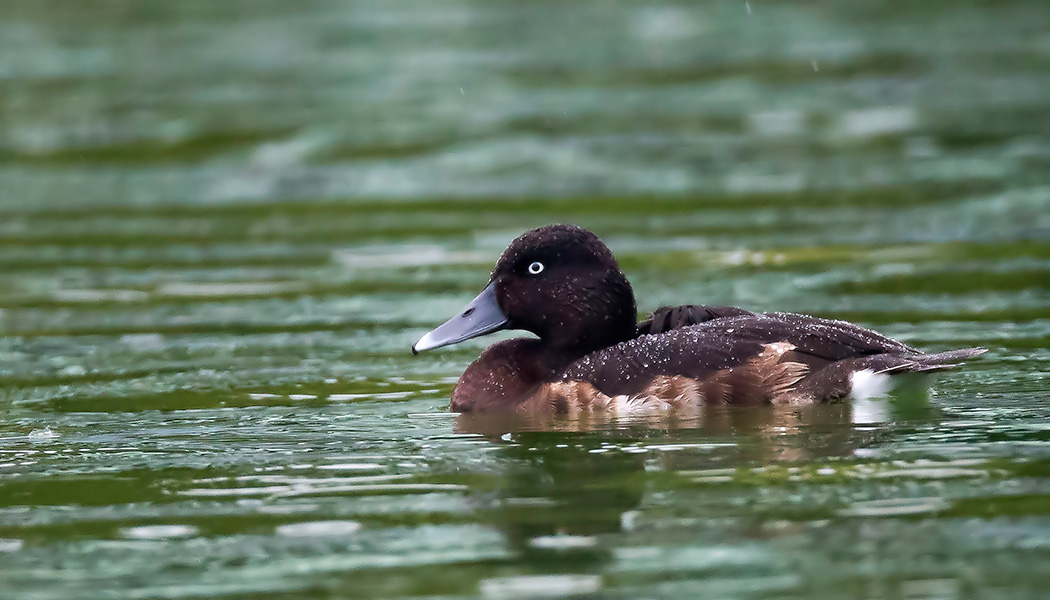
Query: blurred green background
[{"x": 222, "y": 225}]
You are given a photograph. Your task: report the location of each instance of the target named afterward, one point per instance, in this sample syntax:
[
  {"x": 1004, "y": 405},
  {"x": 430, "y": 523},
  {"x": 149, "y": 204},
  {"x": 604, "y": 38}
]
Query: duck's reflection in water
[
  {"x": 569, "y": 481},
  {"x": 797, "y": 432},
  {"x": 561, "y": 492}
]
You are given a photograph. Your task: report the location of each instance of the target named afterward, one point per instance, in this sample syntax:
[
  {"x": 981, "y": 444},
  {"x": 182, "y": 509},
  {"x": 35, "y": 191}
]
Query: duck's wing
[
  {"x": 831, "y": 340},
  {"x": 666, "y": 318},
  {"x": 684, "y": 366},
  {"x": 744, "y": 359},
  {"x": 760, "y": 355},
  {"x": 824, "y": 338},
  {"x": 827, "y": 339},
  {"x": 835, "y": 351}
]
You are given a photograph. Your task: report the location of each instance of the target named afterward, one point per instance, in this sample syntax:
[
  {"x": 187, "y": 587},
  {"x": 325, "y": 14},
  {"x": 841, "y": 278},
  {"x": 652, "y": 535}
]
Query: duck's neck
[{"x": 601, "y": 316}]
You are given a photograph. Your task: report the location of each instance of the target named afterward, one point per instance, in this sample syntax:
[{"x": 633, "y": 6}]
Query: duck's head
[{"x": 559, "y": 282}]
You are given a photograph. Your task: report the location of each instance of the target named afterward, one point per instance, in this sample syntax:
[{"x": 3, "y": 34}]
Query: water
[{"x": 224, "y": 224}]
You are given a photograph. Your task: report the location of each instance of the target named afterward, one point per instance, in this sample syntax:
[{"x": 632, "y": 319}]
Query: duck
[{"x": 591, "y": 355}]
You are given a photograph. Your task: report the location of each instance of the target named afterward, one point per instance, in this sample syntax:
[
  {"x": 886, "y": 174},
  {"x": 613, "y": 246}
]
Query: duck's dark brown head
[{"x": 559, "y": 282}]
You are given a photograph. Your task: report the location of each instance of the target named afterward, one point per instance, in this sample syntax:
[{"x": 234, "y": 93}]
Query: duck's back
[{"x": 666, "y": 318}]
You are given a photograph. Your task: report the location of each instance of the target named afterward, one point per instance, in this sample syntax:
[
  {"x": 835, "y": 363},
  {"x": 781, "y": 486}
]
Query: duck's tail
[
  {"x": 940, "y": 361},
  {"x": 894, "y": 375},
  {"x": 878, "y": 374}
]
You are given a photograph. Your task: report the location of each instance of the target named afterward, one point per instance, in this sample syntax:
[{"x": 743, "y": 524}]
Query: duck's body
[{"x": 562, "y": 283}]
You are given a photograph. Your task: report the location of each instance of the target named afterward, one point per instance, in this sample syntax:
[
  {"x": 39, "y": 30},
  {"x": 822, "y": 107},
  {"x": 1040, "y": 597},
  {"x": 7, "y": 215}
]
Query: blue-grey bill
[{"x": 481, "y": 316}]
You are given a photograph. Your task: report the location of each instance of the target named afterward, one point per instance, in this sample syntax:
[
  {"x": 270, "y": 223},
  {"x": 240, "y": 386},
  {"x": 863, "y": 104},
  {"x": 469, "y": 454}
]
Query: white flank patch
[{"x": 866, "y": 384}]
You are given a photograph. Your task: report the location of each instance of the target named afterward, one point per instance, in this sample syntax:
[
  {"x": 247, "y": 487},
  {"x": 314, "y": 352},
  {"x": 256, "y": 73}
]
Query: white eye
[{"x": 536, "y": 268}]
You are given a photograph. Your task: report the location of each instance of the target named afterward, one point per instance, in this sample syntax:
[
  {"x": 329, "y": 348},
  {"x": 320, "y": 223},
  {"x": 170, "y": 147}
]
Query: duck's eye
[{"x": 536, "y": 268}]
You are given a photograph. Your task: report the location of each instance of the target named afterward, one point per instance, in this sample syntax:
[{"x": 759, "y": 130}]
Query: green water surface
[{"x": 223, "y": 224}]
